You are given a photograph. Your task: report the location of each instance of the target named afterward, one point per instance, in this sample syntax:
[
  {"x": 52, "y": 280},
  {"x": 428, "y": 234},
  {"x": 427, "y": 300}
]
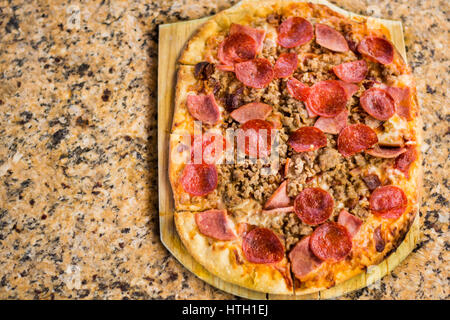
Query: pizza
[{"x": 295, "y": 144}]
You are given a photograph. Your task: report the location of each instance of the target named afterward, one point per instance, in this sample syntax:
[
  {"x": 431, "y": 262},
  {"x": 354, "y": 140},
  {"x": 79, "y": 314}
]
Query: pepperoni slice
[
  {"x": 404, "y": 161},
  {"x": 262, "y": 245},
  {"x": 199, "y": 179},
  {"x": 294, "y": 31},
  {"x": 236, "y": 48},
  {"x": 297, "y": 89},
  {"x": 303, "y": 261},
  {"x": 205, "y": 148},
  {"x": 257, "y": 34},
  {"x": 204, "y": 108},
  {"x": 378, "y": 103},
  {"x": 377, "y": 49},
  {"x": 214, "y": 224},
  {"x": 307, "y": 139},
  {"x": 332, "y": 125},
  {"x": 256, "y": 137},
  {"x": 313, "y": 206},
  {"x": 354, "y": 71},
  {"x": 330, "y": 242},
  {"x": 331, "y": 39},
  {"x": 251, "y": 111},
  {"x": 213, "y": 149},
  {"x": 327, "y": 98},
  {"x": 387, "y": 153},
  {"x": 388, "y": 202},
  {"x": 356, "y": 138},
  {"x": 402, "y": 98},
  {"x": 285, "y": 65},
  {"x": 256, "y": 73}
]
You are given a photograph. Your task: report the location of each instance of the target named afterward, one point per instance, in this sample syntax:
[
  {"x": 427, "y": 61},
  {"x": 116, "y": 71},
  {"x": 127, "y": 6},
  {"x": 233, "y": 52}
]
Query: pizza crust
[
  {"x": 243, "y": 13},
  {"x": 225, "y": 259},
  {"x": 179, "y": 152},
  {"x": 194, "y": 52}
]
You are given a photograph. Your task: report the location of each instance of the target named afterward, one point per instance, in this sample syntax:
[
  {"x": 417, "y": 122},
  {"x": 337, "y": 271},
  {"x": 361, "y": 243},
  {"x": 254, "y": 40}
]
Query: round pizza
[{"x": 295, "y": 146}]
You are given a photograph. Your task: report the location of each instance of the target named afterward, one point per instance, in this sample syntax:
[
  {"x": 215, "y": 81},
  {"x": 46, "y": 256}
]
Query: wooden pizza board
[{"x": 172, "y": 38}]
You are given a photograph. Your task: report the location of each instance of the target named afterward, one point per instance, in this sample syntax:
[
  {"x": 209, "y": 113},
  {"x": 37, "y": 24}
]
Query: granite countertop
[{"x": 78, "y": 166}]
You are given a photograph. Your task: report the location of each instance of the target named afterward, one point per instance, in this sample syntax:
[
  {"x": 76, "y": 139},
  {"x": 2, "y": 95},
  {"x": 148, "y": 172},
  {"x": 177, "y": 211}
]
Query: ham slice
[
  {"x": 214, "y": 224},
  {"x": 286, "y": 166},
  {"x": 224, "y": 67},
  {"x": 349, "y": 221},
  {"x": 204, "y": 108},
  {"x": 332, "y": 125},
  {"x": 279, "y": 210},
  {"x": 350, "y": 88},
  {"x": 243, "y": 228},
  {"x": 279, "y": 199},
  {"x": 386, "y": 153},
  {"x": 303, "y": 261},
  {"x": 251, "y": 111},
  {"x": 297, "y": 89},
  {"x": 402, "y": 98}
]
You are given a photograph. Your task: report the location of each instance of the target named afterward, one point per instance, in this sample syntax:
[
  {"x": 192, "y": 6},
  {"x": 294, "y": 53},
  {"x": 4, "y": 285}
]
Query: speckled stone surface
[{"x": 78, "y": 167}]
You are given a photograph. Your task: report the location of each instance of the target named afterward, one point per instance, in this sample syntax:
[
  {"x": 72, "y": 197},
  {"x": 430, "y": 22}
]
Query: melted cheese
[{"x": 395, "y": 129}]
